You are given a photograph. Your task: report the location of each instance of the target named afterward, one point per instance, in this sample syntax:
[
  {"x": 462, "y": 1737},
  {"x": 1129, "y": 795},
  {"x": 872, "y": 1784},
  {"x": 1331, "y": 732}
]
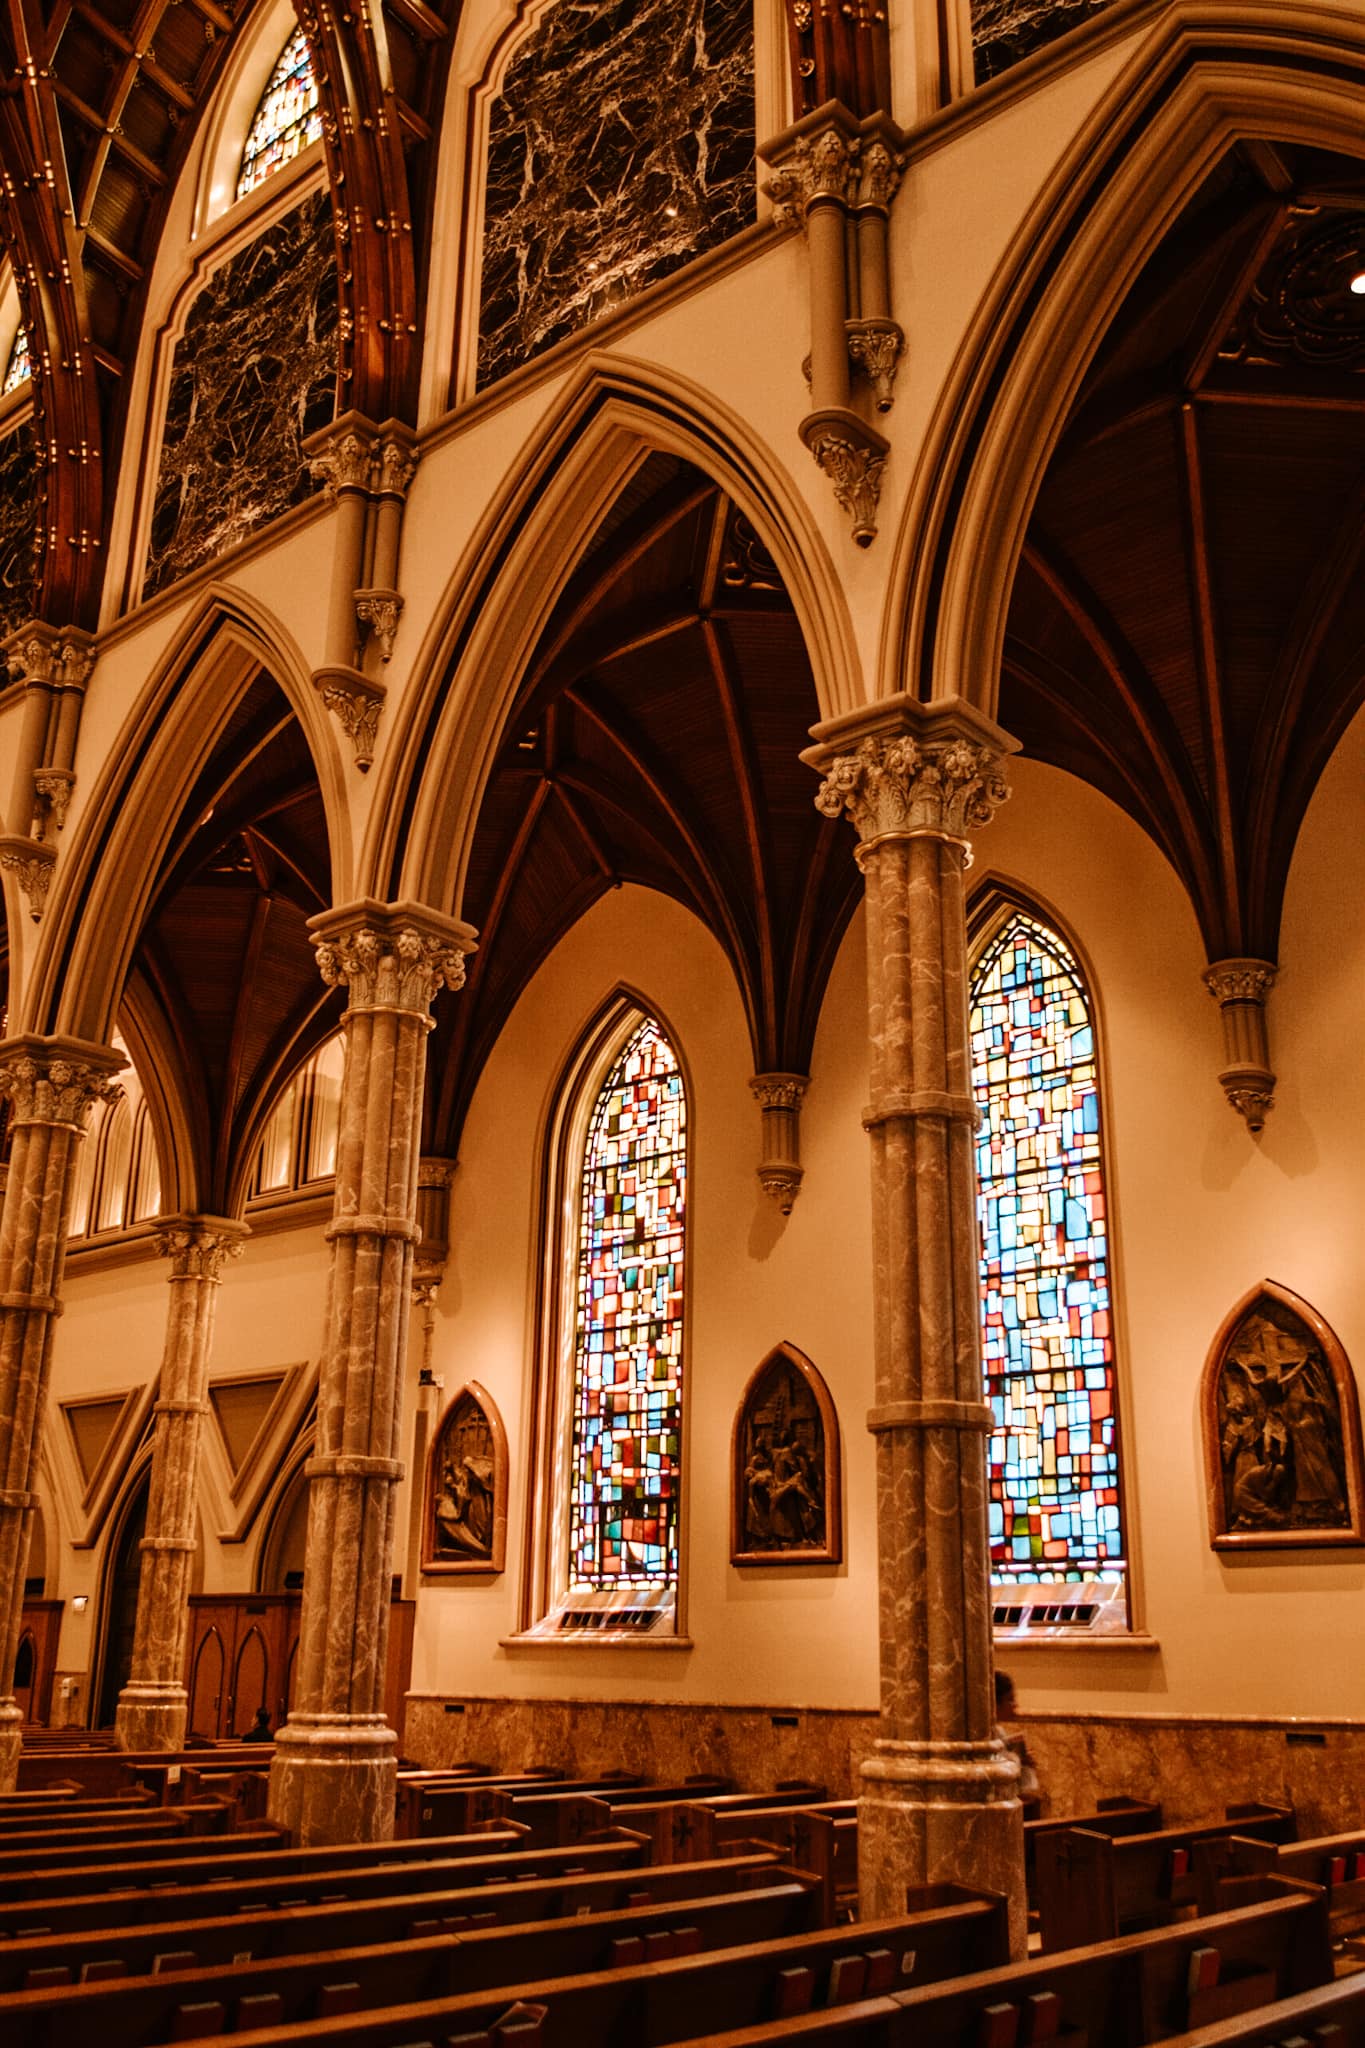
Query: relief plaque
[
  {"x": 785, "y": 1506},
  {"x": 464, "y": 1528},
  {"x": 1281, "y": 1428}
]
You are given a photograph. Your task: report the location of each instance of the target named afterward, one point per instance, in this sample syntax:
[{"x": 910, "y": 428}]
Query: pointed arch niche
[
  {"x": 464, "y": 1526},
  {"x": 607, "y": 1530},
  {"x": 785, "y": 1502},
  {"x": 1059, "y": 1556}
]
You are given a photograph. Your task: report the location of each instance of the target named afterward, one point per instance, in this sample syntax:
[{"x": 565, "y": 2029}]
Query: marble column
[
  {"x": 335, "y": 1769},
  {"x": 153, "y": 1705},
  {"x": 939, "y": 1798},
  {"x": 52, "y": 1085}
]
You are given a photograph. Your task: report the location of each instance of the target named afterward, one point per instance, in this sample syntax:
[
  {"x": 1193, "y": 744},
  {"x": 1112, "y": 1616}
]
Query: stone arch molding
[
  {"x": 103, "y": 886},
  {"x": 610, "y": 416},
  {"x": 1204, "y": 78}
]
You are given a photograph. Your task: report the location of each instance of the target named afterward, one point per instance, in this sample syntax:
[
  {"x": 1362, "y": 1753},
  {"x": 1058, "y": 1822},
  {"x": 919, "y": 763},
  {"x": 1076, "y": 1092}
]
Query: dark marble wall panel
[
  {"x": 19, "y": 540},
  {"x": 1003, "y": 31},
  {"x": 621, "y": 146},
  {"x": 254, "y": 371}
]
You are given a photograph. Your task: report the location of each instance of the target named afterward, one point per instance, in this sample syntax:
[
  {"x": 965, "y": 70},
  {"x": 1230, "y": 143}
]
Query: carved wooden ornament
[
  {"x": 785, "y": 1503},
  {"x": 464, "y": 1526},
  {"x": 1281, "y": 1429}
]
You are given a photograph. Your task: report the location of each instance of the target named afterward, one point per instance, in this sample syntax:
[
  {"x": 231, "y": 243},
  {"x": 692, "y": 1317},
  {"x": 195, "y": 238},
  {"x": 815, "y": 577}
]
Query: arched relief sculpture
[
  {"x": 785, "y": 1504},
  {"x": 1281, "y": 1428},
  {"x": 464, "y": 1528}
]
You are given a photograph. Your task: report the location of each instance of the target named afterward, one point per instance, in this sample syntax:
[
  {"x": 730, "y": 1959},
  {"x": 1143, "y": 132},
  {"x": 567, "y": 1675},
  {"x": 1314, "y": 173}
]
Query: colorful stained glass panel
[
  {"x": 627, "y": 1397},
  {"x": 20, "y": 367},
  {"x": 287, "y": 119},
  {"x": 1047, "y": 1349}
]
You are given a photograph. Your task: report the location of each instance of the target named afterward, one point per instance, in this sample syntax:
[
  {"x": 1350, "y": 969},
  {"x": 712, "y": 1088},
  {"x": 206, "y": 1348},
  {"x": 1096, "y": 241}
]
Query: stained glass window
[
  {"x": 20, "y": 367},
  {"x": 1046, "y": 1324},
  {"x": 286, "y": 120},
  {"x": 627, "y": 1376}
]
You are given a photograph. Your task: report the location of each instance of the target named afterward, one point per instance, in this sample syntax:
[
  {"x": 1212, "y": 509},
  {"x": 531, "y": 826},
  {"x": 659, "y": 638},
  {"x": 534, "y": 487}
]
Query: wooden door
[{"x": 40, "y": 1628}]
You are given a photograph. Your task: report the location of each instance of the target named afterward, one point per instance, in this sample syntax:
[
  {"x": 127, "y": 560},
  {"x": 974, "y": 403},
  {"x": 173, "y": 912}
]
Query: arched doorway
[{"x": 120, "y": 1602}]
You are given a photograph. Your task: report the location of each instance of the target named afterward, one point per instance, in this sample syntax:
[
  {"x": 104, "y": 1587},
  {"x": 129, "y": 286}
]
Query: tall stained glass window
[
  {"x": 627, "y": 1366},
  {"x": 287, "y": 119},
  {"x": 20, "y": 366},
  {"x": 1045, "y": 1275}
]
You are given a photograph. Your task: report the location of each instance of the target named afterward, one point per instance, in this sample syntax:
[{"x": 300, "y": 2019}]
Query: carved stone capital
[
  {"x": 341, "y": 456},
  {"x": 853, "y": 457},
  {"x": 56, "y": 657},
  {"x": 356, "y": 702},
  {"x": 876, "y": 346},
  {"x": 57, "y": 1080},
  {"x": 31, "y": 862},
  {"x": 391, "y": 956},
  {"x": 198, "y": 1246},
  {"x": 780, "y": 1097},
  {"x": 380, "y": 610},
  {"x": 53, "y": 787},
  {"x": 779, "y": 1091},
  {"x": 435, "y": 1174},
  {"x": 1240, "y": 981},
  {"x": 817, "y": 165},
  {"x": 907, "y": 767},
  {"x": 879, "y": 173},
  {"x": 396, "y": 460}
]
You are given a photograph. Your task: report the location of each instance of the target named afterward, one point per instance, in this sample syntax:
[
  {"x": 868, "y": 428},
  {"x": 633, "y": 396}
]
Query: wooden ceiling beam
[
  {"x": 1271, "y": 166},
  {"x": 1209, "y": 669},
  {"x": 757, "y": 838},
  {"x": 1226, "y": 296}
]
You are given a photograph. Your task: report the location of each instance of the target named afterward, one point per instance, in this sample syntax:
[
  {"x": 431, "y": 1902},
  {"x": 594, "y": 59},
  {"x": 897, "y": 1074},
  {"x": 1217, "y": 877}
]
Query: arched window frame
[
  {"x": 1019, "y": 1608},
  {"x": 574, "y": 1098}
]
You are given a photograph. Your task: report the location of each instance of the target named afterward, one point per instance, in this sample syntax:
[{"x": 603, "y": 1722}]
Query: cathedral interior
[{"x": 681, "y": 756}]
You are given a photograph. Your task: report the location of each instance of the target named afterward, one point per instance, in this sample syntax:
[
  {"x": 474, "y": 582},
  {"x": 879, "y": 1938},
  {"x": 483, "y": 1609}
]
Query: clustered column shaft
[
  {"x": 52, "y": 1083},
  {"x": 154, "y": 1704},
  {"x": 939, "y": 1798},
  {"x": 335, "y": 1771}
]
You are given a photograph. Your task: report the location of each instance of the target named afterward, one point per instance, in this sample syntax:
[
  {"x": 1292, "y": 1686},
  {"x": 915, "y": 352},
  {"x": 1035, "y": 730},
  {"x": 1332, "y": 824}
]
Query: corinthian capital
[
  {"x": 1240, "y": 981},
  {"x": 198, "y": 1246},
  {"x": 391, "y": 956},
  {"x": 904, "y": 766},
  {"x": 57, "y": 1080}
]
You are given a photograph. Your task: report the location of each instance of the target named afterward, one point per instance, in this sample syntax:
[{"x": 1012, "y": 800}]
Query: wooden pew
[
  {"x": 1092, "y": 1887},
  {"x": 295, "y": 1891},
  {"x": 455, "y": 1808},
  {"x": 1110, "y": 1817},
  {"x": 100, "y": 1770},
  {"x": 210, "y": 1818},
  {"x": 215, "y": 1939},
  {"x": 132, "y": 2011},
  {"x": 1337, "y": 1862},
  {"x": 671, "y": 1824},
  {"x": 1333, "y": 2016},
  {"x": 683, "y": 1998}
]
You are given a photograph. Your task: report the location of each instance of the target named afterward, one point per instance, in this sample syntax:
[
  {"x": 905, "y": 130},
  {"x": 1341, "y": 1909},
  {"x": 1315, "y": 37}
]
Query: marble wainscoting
[
  {"x": 1198, "y": 1766},
  {"x": 254, "y": 372},
  {"x": 19, "y": 555},
  {"x": 1004, "y": 31},
  {"x": 620, "y": 146},
  {"x": 756, "y": 1746}
]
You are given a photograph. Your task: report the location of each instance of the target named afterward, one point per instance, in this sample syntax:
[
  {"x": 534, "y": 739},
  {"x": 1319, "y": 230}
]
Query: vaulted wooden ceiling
[
  {"x": 1187, "y": 629},
  {"x": 656, "y": 740},
  {"x": 224, "y": 977},
  {"x": 99, "y": 104}
]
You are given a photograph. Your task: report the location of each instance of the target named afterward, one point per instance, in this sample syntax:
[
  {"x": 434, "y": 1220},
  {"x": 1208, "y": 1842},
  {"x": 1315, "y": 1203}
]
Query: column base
[
  {"x": 334, "y": 1779},
  {"x": 11, "y": 1742},
  {"x": 151, "y": 1716},
  {"x": 941, "y": 1813}
]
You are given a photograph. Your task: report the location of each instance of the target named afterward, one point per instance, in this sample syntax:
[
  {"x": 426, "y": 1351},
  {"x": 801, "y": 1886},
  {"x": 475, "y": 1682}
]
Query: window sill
[
  {"x": 1004, "y": 1639},
  {"x": 554, "y": 1644}
]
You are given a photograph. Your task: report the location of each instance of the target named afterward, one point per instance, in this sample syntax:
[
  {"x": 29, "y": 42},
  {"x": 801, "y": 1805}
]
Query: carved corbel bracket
[
  {"x": 1240, "y": 988},
  {"x": 57, "y": 657},
  {"x": 356, "y": 703},
  {"x": 876, "y": 346},
  {"x": 31, "y": 863},
  {"x": 853, "y": 457},
  {"x": 378, "y": 612},
  {"x": 52, "y": 788},
  {"x": 780, "y": 1171}
]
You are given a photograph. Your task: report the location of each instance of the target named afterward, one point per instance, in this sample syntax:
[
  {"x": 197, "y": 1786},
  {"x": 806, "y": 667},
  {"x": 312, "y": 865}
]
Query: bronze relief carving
[
  {"x": 785, "y": 1506},
  {"x": 1281, "y": 1428},
  {"x": 465, "y": 1526}
]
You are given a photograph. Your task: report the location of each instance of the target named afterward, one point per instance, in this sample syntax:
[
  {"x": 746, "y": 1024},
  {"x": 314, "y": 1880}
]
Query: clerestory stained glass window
[
  {"x": 20, "y": 367},
  {"x": 628, "y": 1357},
  {"x": 1047, "y": 1346},
  {"x": 287, "y": 119}
]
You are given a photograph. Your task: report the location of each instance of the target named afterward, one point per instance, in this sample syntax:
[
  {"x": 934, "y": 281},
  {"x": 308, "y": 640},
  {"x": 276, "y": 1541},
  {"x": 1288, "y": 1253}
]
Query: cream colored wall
[
  {"x": 1204, "y": 1211},
  {"x": 804, "y": 1636}
]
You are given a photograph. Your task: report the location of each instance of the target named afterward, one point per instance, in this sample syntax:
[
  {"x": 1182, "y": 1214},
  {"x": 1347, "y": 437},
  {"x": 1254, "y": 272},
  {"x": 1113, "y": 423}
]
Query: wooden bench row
[{"x": 1092, "y": 1887}]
